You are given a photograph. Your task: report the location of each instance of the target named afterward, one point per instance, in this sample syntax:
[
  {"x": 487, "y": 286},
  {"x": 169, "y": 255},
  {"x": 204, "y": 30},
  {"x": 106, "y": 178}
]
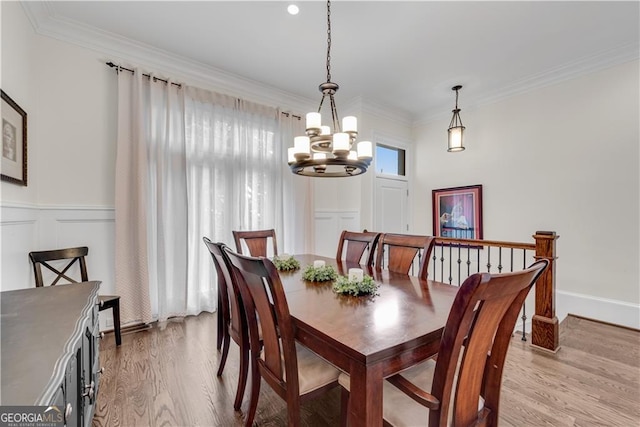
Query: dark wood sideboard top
[{"x": 38, "y": 330}]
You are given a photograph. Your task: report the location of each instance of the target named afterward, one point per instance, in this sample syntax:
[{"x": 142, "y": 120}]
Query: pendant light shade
[{"x": 456, "y": 129}]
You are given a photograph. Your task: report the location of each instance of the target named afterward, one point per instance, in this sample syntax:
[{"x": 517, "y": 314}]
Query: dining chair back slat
[
  {"x": 356, "y": 244},
  {"x": 400, "y": 251},
  {"x": 256, "y": 242}
]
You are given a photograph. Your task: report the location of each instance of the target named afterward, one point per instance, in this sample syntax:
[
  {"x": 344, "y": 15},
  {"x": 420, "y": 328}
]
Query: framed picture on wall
[
  {"x": 457, "y": 212},
  {"x": 13, "y": 165}
]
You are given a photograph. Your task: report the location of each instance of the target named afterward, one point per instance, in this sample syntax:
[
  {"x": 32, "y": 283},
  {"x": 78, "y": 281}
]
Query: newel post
[{"x": 544, "y": 326}]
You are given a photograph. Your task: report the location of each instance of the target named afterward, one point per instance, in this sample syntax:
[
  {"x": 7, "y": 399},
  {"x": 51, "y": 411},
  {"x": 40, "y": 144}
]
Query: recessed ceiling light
[{"x": 293, "y": 9}]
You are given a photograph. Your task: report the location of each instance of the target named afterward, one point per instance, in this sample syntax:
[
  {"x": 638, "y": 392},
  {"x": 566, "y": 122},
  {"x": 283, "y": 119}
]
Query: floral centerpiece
[
  {"x": 285, "y": 262},
  {"x": 322, "y": 273},
  {"x": 354, "y": 286}
]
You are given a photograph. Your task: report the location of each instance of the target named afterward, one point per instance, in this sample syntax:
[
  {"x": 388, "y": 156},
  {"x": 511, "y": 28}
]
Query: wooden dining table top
[{"x": 370, "y": 337}]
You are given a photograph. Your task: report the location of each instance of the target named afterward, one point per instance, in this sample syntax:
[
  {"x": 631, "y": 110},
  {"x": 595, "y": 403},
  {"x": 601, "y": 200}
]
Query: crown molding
[
  {"x": 378, "y": 109},
  {"x": 133, "y": 53},
  {"x": 587, "y": 65}
]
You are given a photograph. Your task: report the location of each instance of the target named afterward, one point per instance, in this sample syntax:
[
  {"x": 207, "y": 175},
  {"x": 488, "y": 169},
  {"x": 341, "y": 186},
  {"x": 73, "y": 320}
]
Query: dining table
[{"x": 369, "y": 337}]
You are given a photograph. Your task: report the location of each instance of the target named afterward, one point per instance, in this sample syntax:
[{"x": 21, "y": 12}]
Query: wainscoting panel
[
  {"x": 25, "y": 229},
  {"x": 19, "y": 235},
  {"x": 329, "y": 225}
]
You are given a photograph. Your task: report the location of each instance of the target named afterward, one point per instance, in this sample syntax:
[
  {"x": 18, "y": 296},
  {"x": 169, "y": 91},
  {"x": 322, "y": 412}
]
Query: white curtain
[
  {"x": 194, "y": 163},
  {"x": 151, "y": 204}
]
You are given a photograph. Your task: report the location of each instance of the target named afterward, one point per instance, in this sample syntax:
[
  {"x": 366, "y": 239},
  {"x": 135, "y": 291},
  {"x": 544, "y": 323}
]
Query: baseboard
[
  {"x": 602, "y": 322},
  {"x": 615, "y": 312}
]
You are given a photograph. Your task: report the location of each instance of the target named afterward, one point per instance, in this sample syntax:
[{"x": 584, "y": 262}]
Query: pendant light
[{"x": 456, "y": 129}]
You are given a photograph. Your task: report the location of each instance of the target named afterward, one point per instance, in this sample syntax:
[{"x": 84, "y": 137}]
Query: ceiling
[{"x": 404, "y": 55}]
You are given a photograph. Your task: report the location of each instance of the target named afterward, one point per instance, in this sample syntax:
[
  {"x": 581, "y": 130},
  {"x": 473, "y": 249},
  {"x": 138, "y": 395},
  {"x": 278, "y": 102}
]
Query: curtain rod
[
  {"x": 155, "y": 79},
  {"x": 120, "y": 67},
  {"x": 290, "y": 114}
]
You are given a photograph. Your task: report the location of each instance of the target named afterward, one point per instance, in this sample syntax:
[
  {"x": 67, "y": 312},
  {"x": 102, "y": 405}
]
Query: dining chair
[
  {"x": 400, "y": 251},
  {"x": 356, "y": 244},
  {"x": 73, "y": 255},
  {"x": 293, "y": 371},
  {"x": 465, "y": 380},
  {"x": 256, "y": 241},
  {"x": 232, "y": 322}
]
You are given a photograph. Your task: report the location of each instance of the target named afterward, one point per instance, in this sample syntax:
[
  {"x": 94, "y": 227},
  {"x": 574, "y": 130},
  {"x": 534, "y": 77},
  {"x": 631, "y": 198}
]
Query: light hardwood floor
[{"x": 166, "y": 376}]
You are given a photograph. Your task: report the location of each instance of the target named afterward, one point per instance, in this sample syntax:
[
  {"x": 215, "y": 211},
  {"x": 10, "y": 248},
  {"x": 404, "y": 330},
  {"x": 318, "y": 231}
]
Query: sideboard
[{"x": 49, "y": 350}]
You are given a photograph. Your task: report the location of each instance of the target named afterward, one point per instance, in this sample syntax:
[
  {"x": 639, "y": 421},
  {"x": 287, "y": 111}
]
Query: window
[{"x": 390, "y": 160}]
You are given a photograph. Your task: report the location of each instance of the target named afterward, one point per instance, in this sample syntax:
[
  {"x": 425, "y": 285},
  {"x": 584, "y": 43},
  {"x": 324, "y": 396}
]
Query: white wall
[
  {"x": 562, "y": 158},
  {"x": 18, "y": 74}
]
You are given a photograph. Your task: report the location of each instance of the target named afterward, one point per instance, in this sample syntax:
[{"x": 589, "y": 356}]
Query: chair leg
[
  {"x": 116, "y": 322},
  {"x": 220, "y": 326},
  {"x": 344, "y": 407},
  {"x": 225, "y": 352},
  {"x": 242, "y": 377},
  {"x": 255, "y": 393}
]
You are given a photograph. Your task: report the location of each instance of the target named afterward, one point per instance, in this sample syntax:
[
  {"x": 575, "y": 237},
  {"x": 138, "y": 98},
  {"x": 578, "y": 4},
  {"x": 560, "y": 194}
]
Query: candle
[
  {"x": 301, "y": 146},
  {"x": 313, "y": 120},
  {"x": 341, "y": 143},
  {"x": 365, "y": 150},
  {"x": 350, "y": 124},
  {"x": 355, "y": 274},
  {"x": 291, "y": 157},
  {"x": 318, "y": 263}
]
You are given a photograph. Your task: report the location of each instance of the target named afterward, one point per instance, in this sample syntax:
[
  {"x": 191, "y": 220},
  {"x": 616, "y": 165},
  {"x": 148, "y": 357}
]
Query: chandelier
[{"x": 325, "y": 151}]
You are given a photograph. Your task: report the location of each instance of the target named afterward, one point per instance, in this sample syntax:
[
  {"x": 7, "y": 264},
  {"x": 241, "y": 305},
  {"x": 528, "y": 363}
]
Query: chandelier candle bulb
[
  {"x": 350, "y": 124},
  {"x": 319, "y": 156},
  {"x": 325, "y": 130},
  {"x": 291, "y": 158},
  {"x": 365, "y": 150},
  {"x": 353, "y": 155},
  {"x": 301, "y": 145},
  {"x": 356, "y": 274},
  {"x": 314, "y": 121},
  {"x": 341, "y": 144},
  {"x": 318, "y": 263}
]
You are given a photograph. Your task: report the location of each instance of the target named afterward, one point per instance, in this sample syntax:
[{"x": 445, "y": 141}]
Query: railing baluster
[
  {"x": 488, "y": 259},
  {"x": 459, "y": 263},
  {"x": 499, "y": 259},
  {"x": 468, "y": 260},
  {"x": 524, "y": 304},
  {"x": 442, "y": 260},
  {"x": 434, "y": 258},
  {"x": 450, "y": 265}
]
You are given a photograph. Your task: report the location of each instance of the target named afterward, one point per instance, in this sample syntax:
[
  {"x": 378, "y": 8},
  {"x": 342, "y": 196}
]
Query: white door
[{"x": 392, "y": 200}]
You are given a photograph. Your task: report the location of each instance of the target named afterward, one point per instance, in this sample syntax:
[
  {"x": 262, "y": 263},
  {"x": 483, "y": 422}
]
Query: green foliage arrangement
[
  {"x": 367, "y": 286},
  {"x": 320, "y": 274},
  {"x": 286, "y": 264}
]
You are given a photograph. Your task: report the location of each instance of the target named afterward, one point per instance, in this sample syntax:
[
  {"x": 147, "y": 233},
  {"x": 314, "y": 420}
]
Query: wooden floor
[{"x": 166, "y": 376}]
